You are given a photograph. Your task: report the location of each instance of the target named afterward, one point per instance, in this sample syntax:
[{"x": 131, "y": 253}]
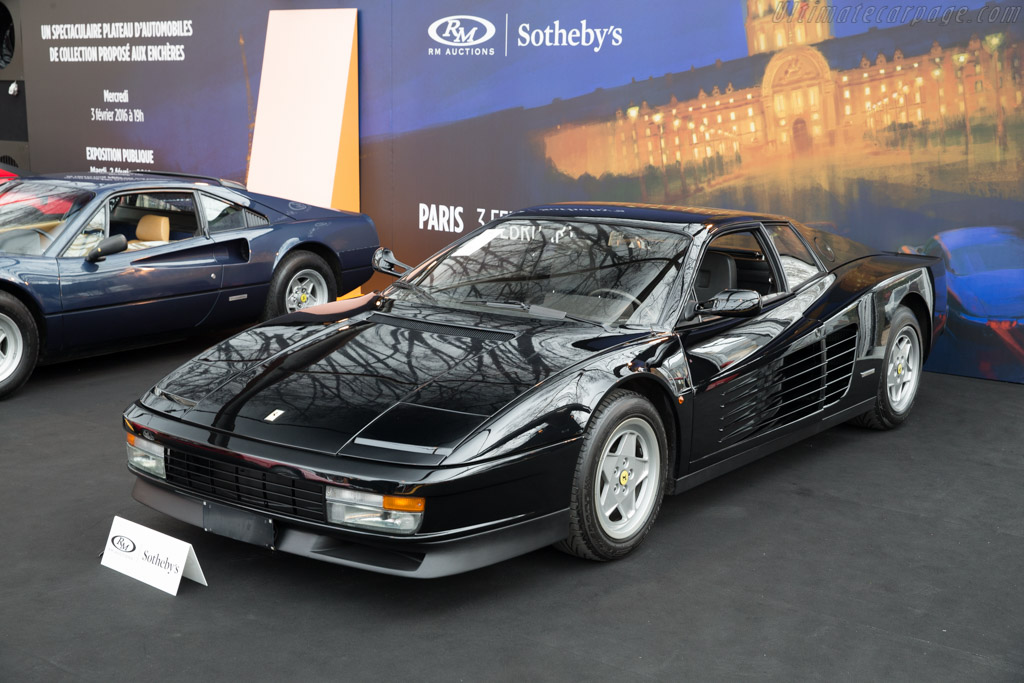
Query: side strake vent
[
  {"x": 840, "y": 353},
  {"x": 440, "y": 328},
  {"x": 791, "y": 388}
]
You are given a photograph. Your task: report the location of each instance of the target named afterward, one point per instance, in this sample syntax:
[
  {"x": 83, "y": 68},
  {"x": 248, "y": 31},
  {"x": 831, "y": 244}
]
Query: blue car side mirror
[{"x": 110, "y": 245}]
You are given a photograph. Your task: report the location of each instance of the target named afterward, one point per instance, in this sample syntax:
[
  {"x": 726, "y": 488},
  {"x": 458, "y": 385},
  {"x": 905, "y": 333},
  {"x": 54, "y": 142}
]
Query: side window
[
  {"x": 92, "y": 234},
  {"x": 798, "y": 264},
  {"x": 173, "y": 202},
  {"x": 734, "y": 261},
  {"x": 221, "y": 215},
  {"x": 151, "y": 219}
]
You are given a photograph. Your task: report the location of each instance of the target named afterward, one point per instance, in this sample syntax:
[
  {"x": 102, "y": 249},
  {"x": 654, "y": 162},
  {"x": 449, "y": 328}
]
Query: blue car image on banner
[{"x": 985, "y": 278}]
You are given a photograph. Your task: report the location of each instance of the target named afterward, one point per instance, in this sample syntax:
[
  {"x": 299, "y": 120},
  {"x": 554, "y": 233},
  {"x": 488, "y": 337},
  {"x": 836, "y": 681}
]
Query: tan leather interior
[
  {"x": 153, "y": 229},
  {"x": 45, "y": 226}
]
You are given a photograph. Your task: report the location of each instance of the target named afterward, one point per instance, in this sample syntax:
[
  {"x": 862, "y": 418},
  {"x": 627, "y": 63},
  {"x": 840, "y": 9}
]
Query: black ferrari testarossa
[{"x": 547, "y": 379}]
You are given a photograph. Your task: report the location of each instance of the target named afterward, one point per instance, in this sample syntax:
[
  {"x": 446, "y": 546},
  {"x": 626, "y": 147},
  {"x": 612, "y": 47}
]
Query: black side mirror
[
  {"x": 384, "y": 261},
  {"x": 730, "y": 303},
  {"x": 110, "y": 245}
]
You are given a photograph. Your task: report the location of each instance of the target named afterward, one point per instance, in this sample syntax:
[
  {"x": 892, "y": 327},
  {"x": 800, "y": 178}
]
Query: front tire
[
  {"x": 19, "y": 344},
  {"x": 901, "y": 374},
  {"x": 620, "y": 479},
  {"x": 301, "y": 280}
]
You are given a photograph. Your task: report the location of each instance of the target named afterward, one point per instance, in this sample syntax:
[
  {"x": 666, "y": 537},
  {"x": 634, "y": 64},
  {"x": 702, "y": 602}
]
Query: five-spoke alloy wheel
[
  {"x": 620, "y": 478},
  {"x": 626, "y": 485},
  {"x": 306, "y": 288},
  {"x": 19, "y": 344},
  {"x": 901, "y": 373},
  {"x": 302, "y": 279}
]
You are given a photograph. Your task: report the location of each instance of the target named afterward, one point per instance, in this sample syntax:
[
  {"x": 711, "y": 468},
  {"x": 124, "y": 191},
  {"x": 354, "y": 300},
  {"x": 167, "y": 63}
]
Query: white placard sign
[{"x": 150, "y": 556}]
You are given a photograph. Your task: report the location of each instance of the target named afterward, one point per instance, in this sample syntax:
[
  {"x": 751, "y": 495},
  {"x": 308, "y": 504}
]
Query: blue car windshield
[
  {"x": 33, "y": 214},
  {"x": 1005, "y": 254},
  {"x": 605, "y": 273}
]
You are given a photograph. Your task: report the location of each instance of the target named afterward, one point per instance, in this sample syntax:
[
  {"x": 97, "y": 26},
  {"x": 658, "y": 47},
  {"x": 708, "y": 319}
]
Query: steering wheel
[{"x": 615, "y": 292}]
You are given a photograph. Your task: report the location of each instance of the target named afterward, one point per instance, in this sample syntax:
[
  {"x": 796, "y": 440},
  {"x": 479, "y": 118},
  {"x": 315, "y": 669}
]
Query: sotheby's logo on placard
[{"x": 150, "y": 556}]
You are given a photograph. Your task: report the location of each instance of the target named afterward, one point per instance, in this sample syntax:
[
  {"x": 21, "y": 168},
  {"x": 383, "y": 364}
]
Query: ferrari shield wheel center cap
[
  {"x": 303, "y": 297},
  {"x": 899, "y": 369},
  {"x": 623, "y": 477}
]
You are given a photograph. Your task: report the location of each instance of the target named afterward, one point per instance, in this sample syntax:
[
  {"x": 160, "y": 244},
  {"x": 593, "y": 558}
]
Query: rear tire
[
  {"x": 19, "y": 344},
  {"x": 901, "y": 374},
  {"x": 301, "y": 280},
  {"x": 620, "y": 479}
]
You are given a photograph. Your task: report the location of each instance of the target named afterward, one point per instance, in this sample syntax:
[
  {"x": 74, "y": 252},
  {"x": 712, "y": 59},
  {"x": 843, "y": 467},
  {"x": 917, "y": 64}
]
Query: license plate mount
[{"x": 240, "y": 525}]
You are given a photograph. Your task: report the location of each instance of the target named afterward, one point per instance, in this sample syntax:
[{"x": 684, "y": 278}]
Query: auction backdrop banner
[{"x": 901, "y": 126}]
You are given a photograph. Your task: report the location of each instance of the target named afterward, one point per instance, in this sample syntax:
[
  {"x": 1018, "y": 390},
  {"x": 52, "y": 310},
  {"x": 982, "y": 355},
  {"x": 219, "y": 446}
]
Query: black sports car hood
[{"x": 407, "y": 382}]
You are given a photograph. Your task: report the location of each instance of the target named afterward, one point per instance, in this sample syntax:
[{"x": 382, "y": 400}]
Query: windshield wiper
[
  {"x": 540, "y": 311},
  {"x": 534, "y": 309},
  {"x": 404, "y": 284}
]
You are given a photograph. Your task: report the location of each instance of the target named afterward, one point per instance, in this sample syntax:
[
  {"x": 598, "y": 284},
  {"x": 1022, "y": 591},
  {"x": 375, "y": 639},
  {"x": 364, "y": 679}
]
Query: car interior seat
[
  {"x": 151, "y": 231},
  {"x": 716, "y": 272}
]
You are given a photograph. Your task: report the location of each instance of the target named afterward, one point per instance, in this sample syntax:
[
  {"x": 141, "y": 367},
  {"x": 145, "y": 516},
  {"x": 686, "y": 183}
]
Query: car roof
[
  {"x": 655, "y": 213},
  {"x": 100, "y": 181}
]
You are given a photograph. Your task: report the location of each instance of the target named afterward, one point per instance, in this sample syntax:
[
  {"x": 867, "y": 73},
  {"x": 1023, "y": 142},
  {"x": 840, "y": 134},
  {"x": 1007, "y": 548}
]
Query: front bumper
[
  {"x": 411, "y": 557},
  {"x": 476, "y": 514}
]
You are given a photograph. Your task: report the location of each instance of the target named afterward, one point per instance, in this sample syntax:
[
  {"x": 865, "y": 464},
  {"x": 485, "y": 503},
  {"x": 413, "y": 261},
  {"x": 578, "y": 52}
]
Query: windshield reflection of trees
[
  {"x": 333, "y": 382},
  {"x": 591, "y": 270}
]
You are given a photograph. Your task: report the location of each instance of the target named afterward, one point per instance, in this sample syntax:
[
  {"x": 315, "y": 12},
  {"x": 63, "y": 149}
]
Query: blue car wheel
[
  {"x": 19, "y": 344},
  {"x": 303, "y": 279}
]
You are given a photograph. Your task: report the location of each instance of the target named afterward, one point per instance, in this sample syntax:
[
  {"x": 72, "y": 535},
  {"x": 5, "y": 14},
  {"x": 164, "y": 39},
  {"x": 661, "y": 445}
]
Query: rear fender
[
  {"x": 42, "y": 299},
  {"x": 884, "y": 300}
]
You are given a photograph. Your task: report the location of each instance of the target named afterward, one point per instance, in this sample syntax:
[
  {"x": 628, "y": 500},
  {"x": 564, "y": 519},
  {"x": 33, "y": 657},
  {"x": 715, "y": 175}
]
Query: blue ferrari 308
[{"x": 90, "y": 263}]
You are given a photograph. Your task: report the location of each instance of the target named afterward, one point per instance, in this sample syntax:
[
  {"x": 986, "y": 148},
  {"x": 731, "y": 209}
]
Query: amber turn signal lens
[
  {"x": 391, "y": 514},
  {"x": 131, "y": 438},
  {"x": 404, "y": 503}
]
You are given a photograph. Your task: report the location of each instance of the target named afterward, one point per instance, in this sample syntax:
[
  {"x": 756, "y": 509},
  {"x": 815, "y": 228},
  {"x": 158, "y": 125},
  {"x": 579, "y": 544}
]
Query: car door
[
  {"x": 752, "y": 375},
  {"x": 157, "y": 287},
  {"x": 245, "y": 279}
]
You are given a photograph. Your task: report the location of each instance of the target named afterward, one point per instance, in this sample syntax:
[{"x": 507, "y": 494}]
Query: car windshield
[
  {"x": 1004, "y": 254},
  {"x": 547, "y": 268},
  {"x": 33, "y": 214}
]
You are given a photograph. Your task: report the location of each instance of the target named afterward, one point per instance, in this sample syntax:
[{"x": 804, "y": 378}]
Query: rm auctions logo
[
  {"x": 461, "y": 34},
  {"x": 123, "y": 543}
]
